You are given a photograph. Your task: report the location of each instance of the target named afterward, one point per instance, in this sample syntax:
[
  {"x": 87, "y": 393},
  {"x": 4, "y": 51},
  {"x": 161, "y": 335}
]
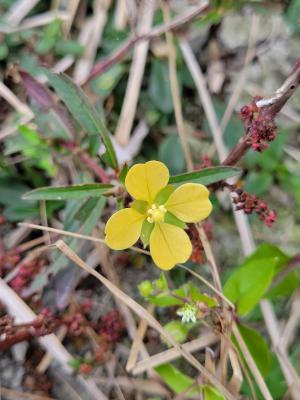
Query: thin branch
[{"x": 123, "y": 50}]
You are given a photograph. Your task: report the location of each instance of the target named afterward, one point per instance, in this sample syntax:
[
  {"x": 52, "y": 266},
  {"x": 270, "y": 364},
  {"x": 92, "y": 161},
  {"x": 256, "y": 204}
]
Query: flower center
[{"x": 156, "y": 213}]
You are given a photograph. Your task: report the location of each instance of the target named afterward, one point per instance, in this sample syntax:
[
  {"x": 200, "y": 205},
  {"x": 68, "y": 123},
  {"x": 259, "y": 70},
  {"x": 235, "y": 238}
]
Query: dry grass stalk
[
  {"x": 287, "y": 368},
  {"x": 11, "y": 129},
  {"x": 94, "y": 36},
  {"x": 143, "y": 314},
  {"x": 236, "y": 380},
  {"x": 120, "y": 17},
  {"x": 149, "y": 386},
  {"x": 36, "y": 21},
  {"x": 138, "y": 341},
  {"x": 250, "y": 54},
  {"x": 45, "y": 362},
  {"x": 13, "y": 100},
  {"x": 290, "y": 329},
  {"x": 19, "y": 10},
  {"x": 109, "y": 270},
  {"x": 16, "y": 236},
  {"x": 209, "y": 256},
  {"x": 125, "y": 123},
  {"x": 12, "y": 394},
  {"x": 175, "y": 89},
  {"x": 71, "y": 12},
  {"x": 73, "y": 234}
]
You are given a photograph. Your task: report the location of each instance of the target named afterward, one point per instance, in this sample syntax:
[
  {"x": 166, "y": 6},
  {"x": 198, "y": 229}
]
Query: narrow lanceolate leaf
[
  {"x": 206, "y": 176},
  {"x": 83, "y": 111},
  {"x": 68, "y": 192}
]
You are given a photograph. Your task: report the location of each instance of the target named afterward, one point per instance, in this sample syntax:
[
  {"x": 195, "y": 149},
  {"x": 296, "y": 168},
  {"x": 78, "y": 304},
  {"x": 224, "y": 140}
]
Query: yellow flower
[{"x": 158, "y": 214}]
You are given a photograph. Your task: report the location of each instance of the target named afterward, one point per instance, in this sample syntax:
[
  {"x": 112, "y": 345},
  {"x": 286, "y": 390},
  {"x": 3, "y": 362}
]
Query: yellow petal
[
  {"x": 169, "y": 245},
  {"x": 144, "y": 181},
  {"x": 190, "y": 202},
  {"x": 123, "y": 229}
]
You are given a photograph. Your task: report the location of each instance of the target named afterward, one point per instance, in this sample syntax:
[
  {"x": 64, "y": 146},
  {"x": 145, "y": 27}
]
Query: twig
[
  {"x": 270, "y": 107},
  {"x": 122, "y": 51},
  {"x": 206, "y": 339},
  {"x": 136, "y": 74},
  {"x": 175, "y": 89}
]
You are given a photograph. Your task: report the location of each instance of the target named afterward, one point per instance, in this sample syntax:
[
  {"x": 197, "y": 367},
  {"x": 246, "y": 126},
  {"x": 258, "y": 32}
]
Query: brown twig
[
  {"x": 269, "y": 108},
  {"x": 123, "y": 50}
]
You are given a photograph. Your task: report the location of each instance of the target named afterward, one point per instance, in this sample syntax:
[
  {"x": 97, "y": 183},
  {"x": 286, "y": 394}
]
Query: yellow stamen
[{"x": 156, "y": 213}]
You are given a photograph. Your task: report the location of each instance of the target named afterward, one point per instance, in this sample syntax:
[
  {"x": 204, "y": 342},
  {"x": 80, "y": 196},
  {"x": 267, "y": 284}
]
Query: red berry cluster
[
  {"x": 26, "y": 273},
  {"x": 8, "y": 260},
  {"x": 76, "y": 323},
  {"x": 250, "y": 203},
  {"x": 198, "y": 251},
  {"x": 259, "y": 125},
  {"x": 111, "y": 326}
]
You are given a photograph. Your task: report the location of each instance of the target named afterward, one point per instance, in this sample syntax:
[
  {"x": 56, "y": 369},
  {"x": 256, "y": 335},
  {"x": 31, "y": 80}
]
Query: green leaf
[
  {"x": 267, "y": 250},
  {"x": 211, "y": 393},
  {"x": 167, "y": 149},
  {"x": 68, "y": 47},
  {"x": 176, "y": 380},
  {"x": 258, "y": 182},
  {"x": 171, "y": 219},
  {"x": 139, "y": 205},
  {"x": 123, "y": 173},
  {"x": 147, "y": 228},
  {"x": 248, "y": 284},
  {"x": 285, "y": 287},
  {"x": 159, "y": 86},
  {"x": 104, "y": 84},
  {"x": 178, "y": 330},
  {"x": 196, "y": 295},
  {"x": 258, "y": 348},
  {"x": 206, "y": 176},
  {"x": 161, "y": 283},
  {"x": 164, "y": 194},
  {"x": 83, "y": 111},
  {"x": 165, "y": 300},
  {"x": 67, "y": 192},
  {"x": 145, "y": 288}
]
